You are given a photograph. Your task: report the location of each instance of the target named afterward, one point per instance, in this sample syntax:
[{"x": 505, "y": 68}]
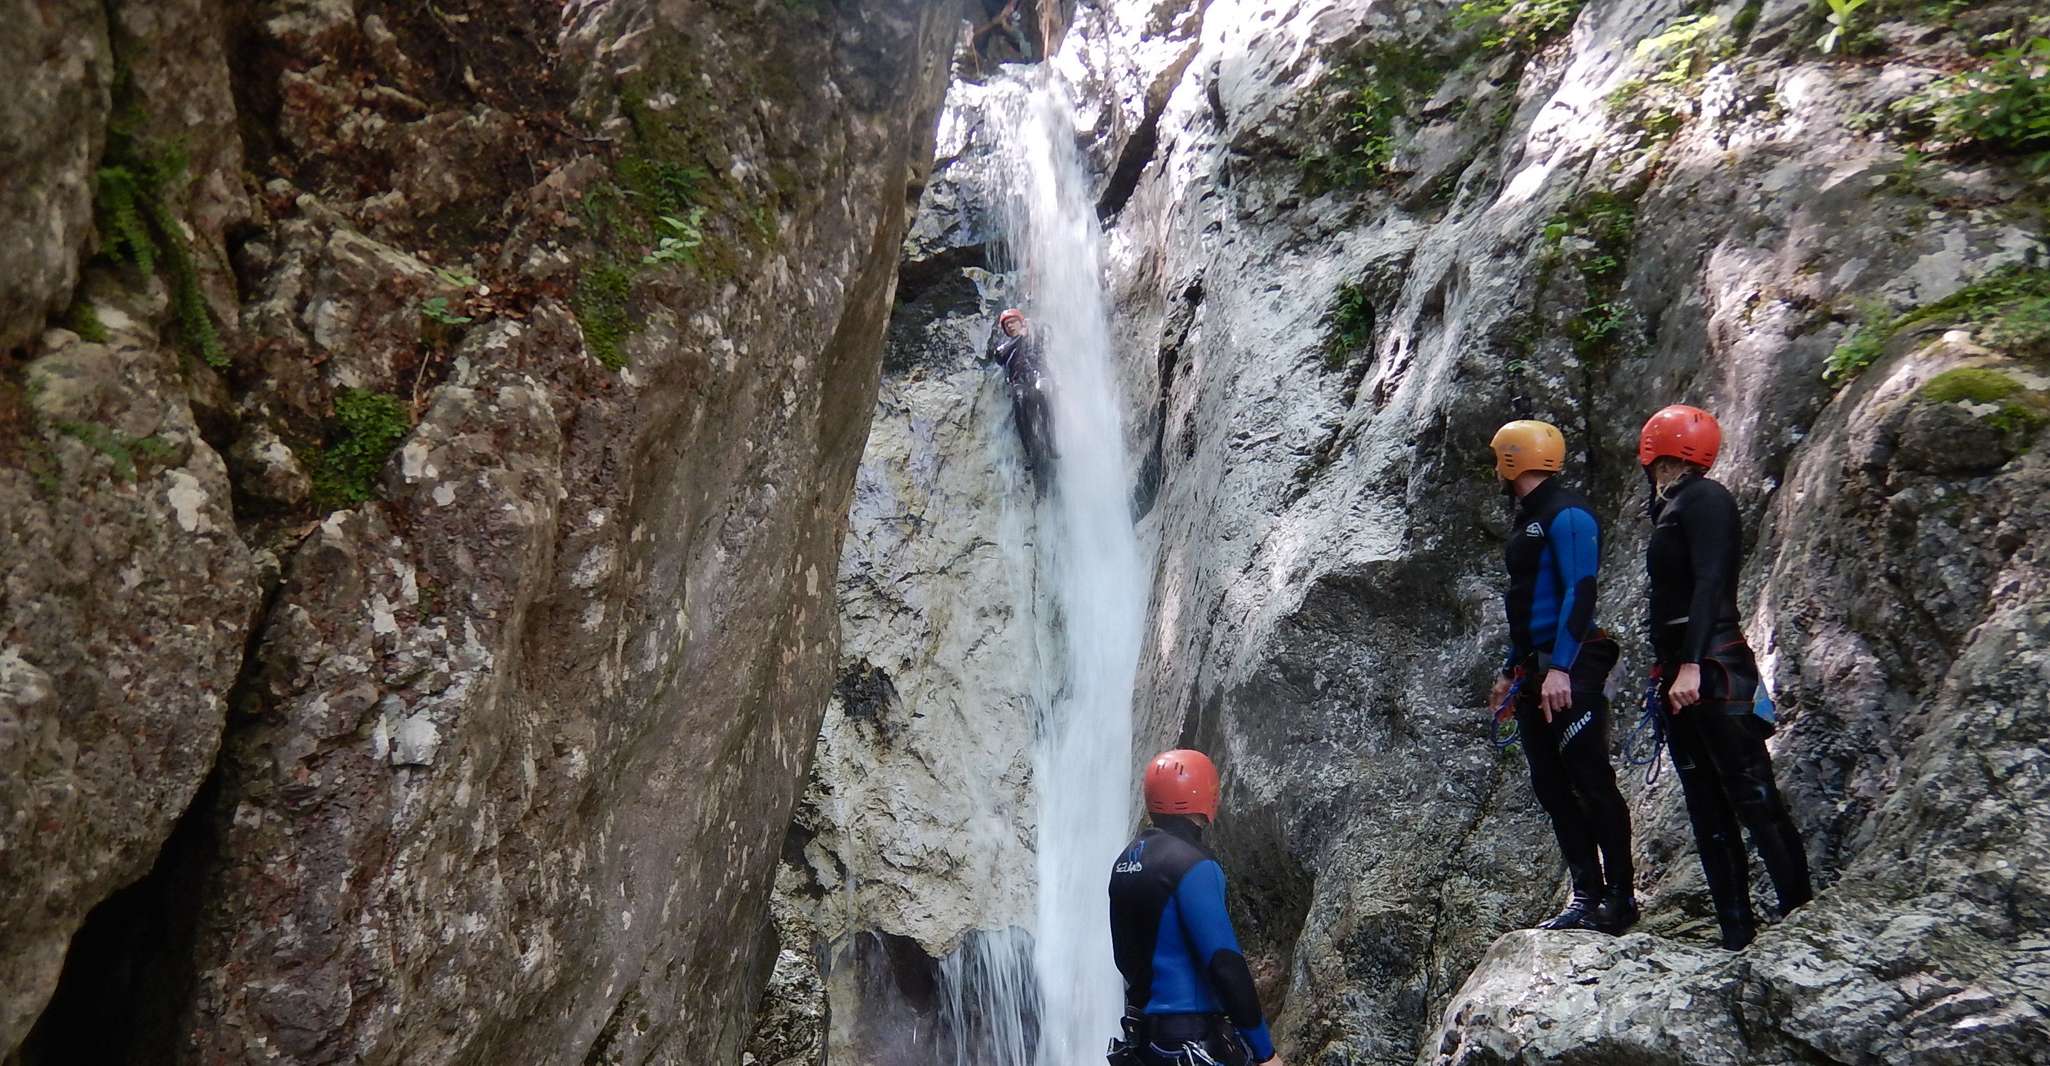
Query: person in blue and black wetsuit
[
  {"x": 1563, "y": 663},
  {"x": 1189, "y": 997}
]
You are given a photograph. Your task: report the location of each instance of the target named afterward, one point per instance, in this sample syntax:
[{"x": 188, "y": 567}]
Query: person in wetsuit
[
  {"x": 1557, "y": 667},
  {"x": 1013, "y": 347},
  {"x": 1708, "y": 675},
  {"x": 1189, "y": 997}
]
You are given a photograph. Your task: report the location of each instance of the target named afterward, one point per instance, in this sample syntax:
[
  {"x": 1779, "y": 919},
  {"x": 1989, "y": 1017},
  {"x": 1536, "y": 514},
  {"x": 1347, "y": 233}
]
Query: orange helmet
[
  {"x": 1181, "y": 781},
  {"x": 1526, "y": 445},
  {"x": 1009, "y": 314},
  {"x": 1682, "y": 432}
]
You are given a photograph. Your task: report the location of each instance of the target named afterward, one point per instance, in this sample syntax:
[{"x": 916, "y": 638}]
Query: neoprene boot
[
  {"x": 1739, "y": 927},
  {"x": 1579, "y": 914},
  {"x": 1727, "y": 869},
  {"x": 1786, "y": 862},
  {"x": 1617, "y": 911}
]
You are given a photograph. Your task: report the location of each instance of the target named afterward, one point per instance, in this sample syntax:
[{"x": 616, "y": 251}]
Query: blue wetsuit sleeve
[
  {"x": 1576, "y": 556},
  {"x": 1199, "y": 899}
]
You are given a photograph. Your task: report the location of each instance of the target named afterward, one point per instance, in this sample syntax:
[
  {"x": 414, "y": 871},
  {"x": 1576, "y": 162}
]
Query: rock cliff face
[
  {"x": 1349, "y": 240},
  {"x": 1642, "y": 204},
  {"x": 431, "y": 429}
]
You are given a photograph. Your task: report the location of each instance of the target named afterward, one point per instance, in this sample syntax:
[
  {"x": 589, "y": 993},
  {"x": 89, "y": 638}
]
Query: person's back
[{"x": 1187, "y": 987}]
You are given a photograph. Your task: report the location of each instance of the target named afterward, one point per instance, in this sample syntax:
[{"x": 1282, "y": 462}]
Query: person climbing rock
[
  {"x": 1189, "y": 998},
  {"x": 1013, "y": 347},
  {"x": 1708, "y": 676},
  {"x": 1557, "y": 668}
]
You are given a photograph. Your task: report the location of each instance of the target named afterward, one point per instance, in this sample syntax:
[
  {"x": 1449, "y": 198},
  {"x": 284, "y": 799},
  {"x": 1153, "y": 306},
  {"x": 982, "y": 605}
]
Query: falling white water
[{"x": 1091, "y": 568}]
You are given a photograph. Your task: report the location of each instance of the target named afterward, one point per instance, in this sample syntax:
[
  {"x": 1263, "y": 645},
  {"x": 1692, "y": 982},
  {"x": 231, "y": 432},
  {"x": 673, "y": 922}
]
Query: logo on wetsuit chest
[
  {"x": 1534, "y": 530},
  {"x": 1130, "y": 864}
]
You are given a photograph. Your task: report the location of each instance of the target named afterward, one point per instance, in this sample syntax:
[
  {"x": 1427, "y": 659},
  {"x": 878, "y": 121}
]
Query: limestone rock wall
[
  {"x": 1361, "y": 236},
  {"x": 450, "y": 424}
]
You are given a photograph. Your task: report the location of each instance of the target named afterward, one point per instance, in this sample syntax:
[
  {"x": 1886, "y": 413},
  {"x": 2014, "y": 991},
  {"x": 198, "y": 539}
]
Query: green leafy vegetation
[
  {"x": 125, "y": 451},
  {"x": 436, "y": 309},
  {"x": 1843, "y": 32},
  {"x": 461, "y": 279},
  {"x": 2008, "y": 309},
  {"x": 604, "y": 293},
  {"x": 1357, "y": 139},
  {"x": 133, "y": 189},
  {"x": 1863, "y": 347},
  {"x": 678, "y": 238},
  {"x": 1592, "y": 238},
  {"x": 2004, "y": 106},
  {"x": 1518, "y": 25},
  {"x": 2018, "y": 410},
  {"x": 1746, "y": 19},
  {"x": 1658, "y": 102},
  {"x": 82, "y": 319},
  {"x": 1349, "y": 326},
  {"x": 367, "y": 426}
]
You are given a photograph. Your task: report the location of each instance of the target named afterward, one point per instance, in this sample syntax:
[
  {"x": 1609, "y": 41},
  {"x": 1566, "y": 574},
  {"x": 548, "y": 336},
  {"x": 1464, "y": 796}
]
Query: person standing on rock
[
  {"x": 1189, "y": 997},
  {"x": 1557, "y": 667},
  {"x": 1013, "y": 346},
  {"x": 1708, "y": 675}
]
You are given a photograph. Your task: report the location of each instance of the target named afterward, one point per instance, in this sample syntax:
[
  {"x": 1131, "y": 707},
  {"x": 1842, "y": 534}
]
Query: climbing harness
[
  {"x": 1505, "y": 729},
  {"x": 1189, "y": 1054},
  {"x": 1646, "y": 739}
]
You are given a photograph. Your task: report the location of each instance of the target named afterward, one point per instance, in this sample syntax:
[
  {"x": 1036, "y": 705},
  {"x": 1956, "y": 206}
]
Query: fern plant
[{"x": 121, "y": 194}]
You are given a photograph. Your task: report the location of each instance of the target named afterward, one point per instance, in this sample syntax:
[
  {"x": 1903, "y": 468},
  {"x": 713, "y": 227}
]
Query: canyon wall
[
  {"x": 430, "y": 431},
  {"x": 1349, "y": 240}
]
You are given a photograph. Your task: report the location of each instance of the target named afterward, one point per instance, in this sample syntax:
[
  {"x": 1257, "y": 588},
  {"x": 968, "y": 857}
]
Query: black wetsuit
[
  {"x": 1185, "y": 980},
  {"x": 1553, "y": 557},
  {"x": 1718, "y": 745},
  {"x": 1025, "y": 373}
]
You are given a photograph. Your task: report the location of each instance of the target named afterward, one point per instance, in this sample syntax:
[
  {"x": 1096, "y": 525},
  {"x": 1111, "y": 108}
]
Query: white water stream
[{"x": 1091, "y": 568}]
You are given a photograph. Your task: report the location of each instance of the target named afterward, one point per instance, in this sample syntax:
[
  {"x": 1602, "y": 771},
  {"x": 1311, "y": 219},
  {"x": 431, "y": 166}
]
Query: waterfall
[
  {"x": 1092, "y": 570},
  {"x": 1071, "y": 570}
]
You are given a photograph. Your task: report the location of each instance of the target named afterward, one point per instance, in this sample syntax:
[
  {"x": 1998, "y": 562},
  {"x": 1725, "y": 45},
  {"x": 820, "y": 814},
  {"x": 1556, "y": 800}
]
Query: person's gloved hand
[
  {"x": 1557, "y": 695},
  {"x": 1686, "y": 690}
]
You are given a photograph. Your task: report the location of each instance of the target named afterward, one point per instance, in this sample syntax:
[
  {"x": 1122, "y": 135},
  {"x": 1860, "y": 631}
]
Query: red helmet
[
  {"x": 1010, "y": 313},
  {"x": 1181, "y": 781},
  {"x": 1682, "y": 432}
]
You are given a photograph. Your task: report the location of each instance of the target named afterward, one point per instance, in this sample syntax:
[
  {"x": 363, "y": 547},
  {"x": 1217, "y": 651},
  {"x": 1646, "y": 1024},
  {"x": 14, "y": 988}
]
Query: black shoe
[
  {"x": 1579, "y": 914},
  {"x": 1738, "y": 930},
  {"x": 1617, "y": 912}
]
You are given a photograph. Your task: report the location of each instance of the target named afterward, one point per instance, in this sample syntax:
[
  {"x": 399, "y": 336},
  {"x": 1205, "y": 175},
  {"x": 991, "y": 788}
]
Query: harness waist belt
[{"x": 1183, "y": 1028}]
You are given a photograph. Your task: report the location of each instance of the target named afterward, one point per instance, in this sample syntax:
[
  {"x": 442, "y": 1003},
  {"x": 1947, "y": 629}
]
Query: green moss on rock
[
  {"x": 2008, "y": 308},
  {"x": 604, "y": 294},
  {"x": 367, "y": 426},
  {"x": 1357, "y": 137},
  {"x": 1970, "y": 384},
  {"x": 2017, "y": 408}
]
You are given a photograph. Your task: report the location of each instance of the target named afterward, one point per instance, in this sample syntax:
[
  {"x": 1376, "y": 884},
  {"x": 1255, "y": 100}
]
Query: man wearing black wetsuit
[
  {"x": 1013, "y": 346},
  {"x": 1189, "y": 998},
  {"x": 1709, "y": 675},
  {"x": 1557, "y": 667}
]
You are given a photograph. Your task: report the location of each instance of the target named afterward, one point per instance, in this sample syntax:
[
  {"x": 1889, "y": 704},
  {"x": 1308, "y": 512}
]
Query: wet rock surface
[
  {"x": 916, "y": 833},
  {"x": 491, "y": 550},
  {"x": 1317, "y": 352}
]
